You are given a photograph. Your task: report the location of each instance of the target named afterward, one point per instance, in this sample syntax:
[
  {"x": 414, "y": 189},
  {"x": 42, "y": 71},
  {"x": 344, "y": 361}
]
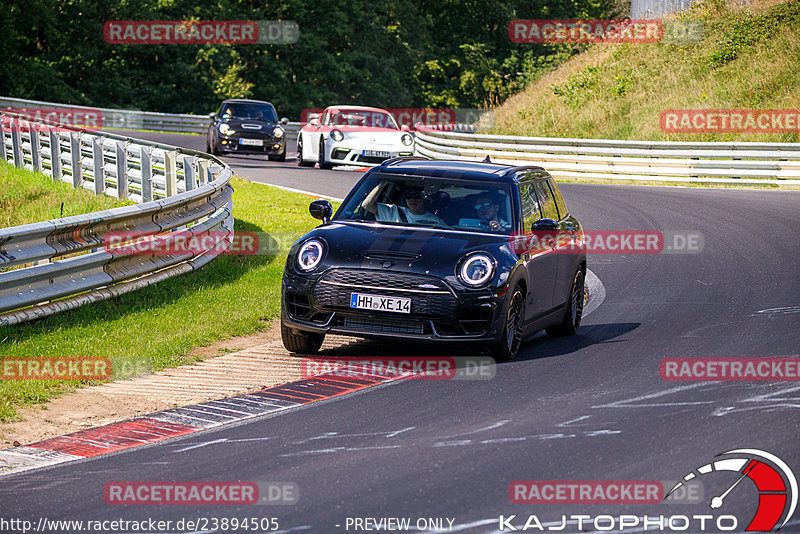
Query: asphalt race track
[{"x": 590, "y": 407}]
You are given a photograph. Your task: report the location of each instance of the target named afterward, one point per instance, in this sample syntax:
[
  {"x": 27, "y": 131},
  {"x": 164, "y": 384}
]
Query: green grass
[
  {"x": 749, "y": 58},
  {"x": 27, "y": 197},
  {"x": 158, "y": 326}
]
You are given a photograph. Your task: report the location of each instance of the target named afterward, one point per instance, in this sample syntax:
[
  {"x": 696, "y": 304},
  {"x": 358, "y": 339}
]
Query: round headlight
[
  {"x": 476, "y": 270},
  {"x": 336, "y": 135},
  {"x": 225, "y": 129},
  {"x": 309, "y": 255},
  {"x": 277, "y": 132},
  {"x": 407, "y": 139}
]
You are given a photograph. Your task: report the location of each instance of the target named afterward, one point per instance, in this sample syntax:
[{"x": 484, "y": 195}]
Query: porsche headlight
[
  {"x": 277, "y": 132},
  {"x": 310, "y": 254},
  {"x": 476, "y": 270},
  {"x": 337, "y": 135},
  {"x": 407, "y": 139},
  {"x": 225, "y": 129}
]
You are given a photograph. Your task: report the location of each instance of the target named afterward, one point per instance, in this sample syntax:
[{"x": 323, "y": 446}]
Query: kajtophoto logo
[{"x": 775, "y": 481}]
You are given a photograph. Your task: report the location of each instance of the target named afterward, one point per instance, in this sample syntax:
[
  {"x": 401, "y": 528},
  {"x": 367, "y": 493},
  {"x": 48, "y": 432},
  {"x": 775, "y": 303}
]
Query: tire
[
  {"x": 303, "y": 343},
  {"x": 322, "y": 163},
  {"x": 507, "y": 347},
  {"x": 277, "y": 157},
  {"x": 574, "y": 312},
  {"x": 300, "y": 161}
]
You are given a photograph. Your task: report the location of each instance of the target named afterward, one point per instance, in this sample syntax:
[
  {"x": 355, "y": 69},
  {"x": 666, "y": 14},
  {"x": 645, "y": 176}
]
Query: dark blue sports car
[{"x": 443, "y": 251}]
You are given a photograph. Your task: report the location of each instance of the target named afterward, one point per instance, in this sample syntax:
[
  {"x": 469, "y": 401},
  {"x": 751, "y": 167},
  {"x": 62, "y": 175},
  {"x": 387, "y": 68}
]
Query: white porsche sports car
[{"x": 352, "y": 135}]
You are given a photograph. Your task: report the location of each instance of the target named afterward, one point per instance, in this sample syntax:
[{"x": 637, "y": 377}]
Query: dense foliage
[{"x": 389, "y": 53}]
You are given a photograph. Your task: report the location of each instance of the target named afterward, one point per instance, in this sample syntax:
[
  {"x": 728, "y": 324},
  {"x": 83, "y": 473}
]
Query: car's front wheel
[
  {"x": 277, "y": 157},
  {"x": 507, "y": 347},
  {"x": 322, "y": 163},
  {"x": 302, "y": 342},
  {"x": 300, "y": 157},
  {"x": 574, "y": 312}
]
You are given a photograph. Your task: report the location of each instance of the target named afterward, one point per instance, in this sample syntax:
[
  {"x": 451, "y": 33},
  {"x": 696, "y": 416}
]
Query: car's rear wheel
[
  {"x": 322, "y": 163},
  {"x": 302, "y": 342},
  {"x": 507, "y": 347},
  {"x": 574, "y": 312},
  {"x": 300, "y": 159}
]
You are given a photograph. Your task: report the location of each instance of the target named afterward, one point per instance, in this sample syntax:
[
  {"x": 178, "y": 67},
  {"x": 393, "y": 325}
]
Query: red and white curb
[{"x": 174, "y": 422}]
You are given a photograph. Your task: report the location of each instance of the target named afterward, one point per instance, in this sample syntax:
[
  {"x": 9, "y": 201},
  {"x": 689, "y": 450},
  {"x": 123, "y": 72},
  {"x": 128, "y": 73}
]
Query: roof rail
[{"x": 398, "y": 159}]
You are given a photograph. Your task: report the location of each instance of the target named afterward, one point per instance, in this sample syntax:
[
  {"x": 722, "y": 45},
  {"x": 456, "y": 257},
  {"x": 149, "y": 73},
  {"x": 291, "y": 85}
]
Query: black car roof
[
  {"x": 245, "y": 101},
  {"x": 465, "y": 170}
]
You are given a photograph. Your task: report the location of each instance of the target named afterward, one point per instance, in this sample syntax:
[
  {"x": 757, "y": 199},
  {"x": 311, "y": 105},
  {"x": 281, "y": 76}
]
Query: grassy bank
[
  {"x": 749, "y": 58},
  {"x": 156, "y": 327}
]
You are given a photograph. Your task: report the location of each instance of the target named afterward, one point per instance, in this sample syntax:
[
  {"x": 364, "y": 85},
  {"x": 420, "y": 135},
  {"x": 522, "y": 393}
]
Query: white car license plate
[
  {"x": 251, "y": 142},
  {"x": 376, "y": 153},
  {"x": 364, "y": 301}
]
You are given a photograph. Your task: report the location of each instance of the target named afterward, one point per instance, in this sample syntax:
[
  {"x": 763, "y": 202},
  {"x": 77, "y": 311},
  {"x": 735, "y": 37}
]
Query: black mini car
[
  {"x": 438, "y": 251},
  {"x": 247, "y": 127}
]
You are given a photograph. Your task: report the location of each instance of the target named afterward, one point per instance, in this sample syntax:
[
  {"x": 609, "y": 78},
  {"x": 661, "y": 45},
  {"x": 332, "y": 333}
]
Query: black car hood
[
  {"x": 418, "y": 250},
  {"x": 236, "y": 123}
]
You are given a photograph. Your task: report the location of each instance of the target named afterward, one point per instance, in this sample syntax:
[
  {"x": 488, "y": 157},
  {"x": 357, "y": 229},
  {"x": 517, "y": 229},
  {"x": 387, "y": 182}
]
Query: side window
[
  {"x": 546, "y": 200},
  {"x": 562, "y": 208},
  {"x": 529, "y": 206}
]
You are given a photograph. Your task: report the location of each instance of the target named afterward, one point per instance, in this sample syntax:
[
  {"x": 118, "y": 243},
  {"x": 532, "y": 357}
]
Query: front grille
[
  {"x": 371, "y": 159},
  {"x": 334, "y": 288},
  {"x": 386, "y": 326},
  {"x": 297, "y": 305}
]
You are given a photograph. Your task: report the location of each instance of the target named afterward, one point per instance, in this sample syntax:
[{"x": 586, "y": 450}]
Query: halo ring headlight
[
  {"x": 278, "y": 132},
  {"x": 476, "y": 270},
  {"x": 310, "y": 255}
]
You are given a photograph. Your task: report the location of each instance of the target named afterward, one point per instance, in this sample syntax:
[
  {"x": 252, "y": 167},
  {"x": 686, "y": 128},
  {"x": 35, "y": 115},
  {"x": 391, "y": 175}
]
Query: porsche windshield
[
  {"x": 361, "y": 117},
  {"x": 431, "y": 202}
]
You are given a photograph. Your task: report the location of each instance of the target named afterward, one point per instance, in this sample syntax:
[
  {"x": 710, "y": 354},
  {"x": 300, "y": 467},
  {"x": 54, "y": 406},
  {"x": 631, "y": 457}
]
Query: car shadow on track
[{"x": 541, "y": 345}]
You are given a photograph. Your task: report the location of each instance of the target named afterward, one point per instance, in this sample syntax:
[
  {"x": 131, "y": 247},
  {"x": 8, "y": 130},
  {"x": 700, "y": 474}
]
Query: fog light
[
  {"x": 224, "y": 142},
  {"x": 276, "y": 146}
]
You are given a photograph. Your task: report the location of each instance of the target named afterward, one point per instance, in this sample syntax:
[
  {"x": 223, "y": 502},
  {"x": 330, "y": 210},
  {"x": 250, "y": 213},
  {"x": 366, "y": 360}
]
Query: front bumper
[
  {"x": 345, "y": 154},
  {"x": 269, "y": 145},
  {"x": 310, "y": 304}
]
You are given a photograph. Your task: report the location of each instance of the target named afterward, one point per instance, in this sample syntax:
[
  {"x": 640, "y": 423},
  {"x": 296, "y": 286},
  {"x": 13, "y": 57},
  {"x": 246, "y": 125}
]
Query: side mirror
[
  {"x": 405, "y": 128},
  {"x": 544, "y": 225},
  {"x": 284, "y": 120},
  {"x": 212, "y": 116},
  {"x": 322, "y": 210}
]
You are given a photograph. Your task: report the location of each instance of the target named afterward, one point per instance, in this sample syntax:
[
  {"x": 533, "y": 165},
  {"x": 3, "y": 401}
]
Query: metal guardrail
[
  {"x": 50, "y": 266},
  {"x": 134, "y": 120},
  {"x": 656, "y": 161}
]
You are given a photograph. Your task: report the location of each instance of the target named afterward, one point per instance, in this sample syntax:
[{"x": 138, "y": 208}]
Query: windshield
[
  {"x": 237, "y": 110},
  {"x": 361, "y": 117},
  {"x": 432, "y": 202}
]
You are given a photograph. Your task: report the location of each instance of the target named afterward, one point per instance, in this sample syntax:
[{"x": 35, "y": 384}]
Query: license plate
[
  {"x": 364, "y": 301},
  {"x": 376, "y": 153},
  {"x": 251, "y": 142}
]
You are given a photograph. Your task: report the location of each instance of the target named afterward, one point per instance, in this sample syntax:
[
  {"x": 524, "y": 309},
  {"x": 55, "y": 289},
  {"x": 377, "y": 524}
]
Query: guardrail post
[
  {"x": 147, "y": 175},
  {"x": 16, "y": 144},
  {"x": 202, "y": 171},
  {"x": 75, "y": 153},
  {"x": 55, "y": 155},
  {"x": 97, "y": 163},
  {"x": 188, "y": 172},
  {"x": 36, "y": 149},
  {"x": 122, "y": 170},
  {"x": 170, "y": 173},
  {"x": 2, "y": 139}
]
